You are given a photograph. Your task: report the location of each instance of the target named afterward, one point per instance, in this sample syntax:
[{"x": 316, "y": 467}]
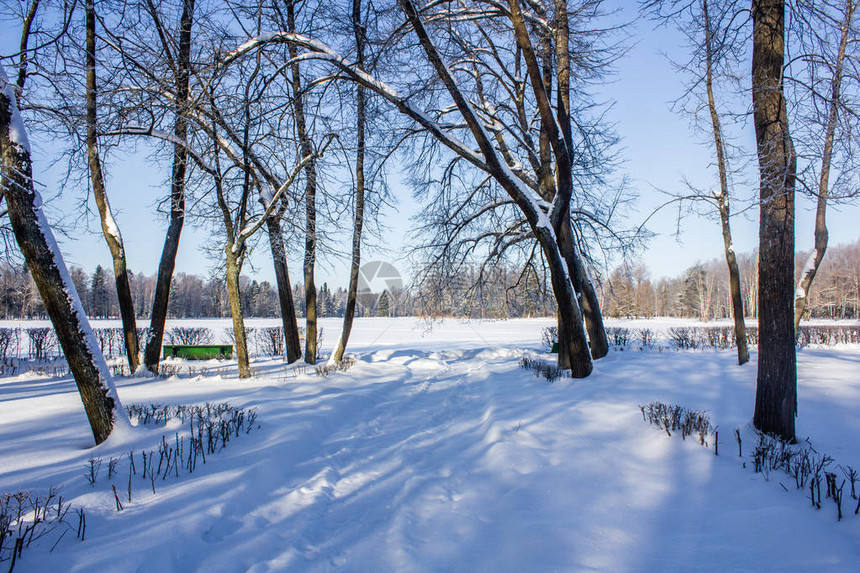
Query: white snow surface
[{"x": 436, "y": 452}]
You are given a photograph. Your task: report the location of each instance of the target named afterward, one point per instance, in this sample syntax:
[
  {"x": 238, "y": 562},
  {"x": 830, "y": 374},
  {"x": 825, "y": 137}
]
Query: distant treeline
[
  {"x": 500, "y": 293},
  {"x": 190, "y": 296},
  {"x": 703, "y": 290}
]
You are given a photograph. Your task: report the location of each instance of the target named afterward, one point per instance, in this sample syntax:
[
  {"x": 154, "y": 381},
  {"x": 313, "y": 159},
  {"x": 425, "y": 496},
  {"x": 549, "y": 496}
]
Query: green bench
[{"x": 198, "y": 351}]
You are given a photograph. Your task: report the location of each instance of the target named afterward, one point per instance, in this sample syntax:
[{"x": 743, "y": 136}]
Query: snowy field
[{"x": 437, "y": 452}]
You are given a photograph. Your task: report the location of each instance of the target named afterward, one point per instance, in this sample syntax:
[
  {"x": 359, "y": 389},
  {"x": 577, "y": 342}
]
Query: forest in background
[{"x": 629, "y": 291}]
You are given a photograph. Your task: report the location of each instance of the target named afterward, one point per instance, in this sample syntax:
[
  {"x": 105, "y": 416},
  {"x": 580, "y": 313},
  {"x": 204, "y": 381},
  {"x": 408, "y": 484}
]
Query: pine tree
[
  {"x": 383, "y": 307},
  {"x": 99, "y": 293}
]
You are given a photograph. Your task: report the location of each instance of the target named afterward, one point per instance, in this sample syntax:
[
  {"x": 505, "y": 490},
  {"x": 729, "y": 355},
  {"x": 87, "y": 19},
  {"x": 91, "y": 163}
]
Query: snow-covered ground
[{"x": 436, "y": 452}]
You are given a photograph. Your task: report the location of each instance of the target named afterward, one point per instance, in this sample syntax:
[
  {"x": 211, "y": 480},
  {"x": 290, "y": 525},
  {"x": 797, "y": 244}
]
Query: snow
[
  {"x": 17, "y": 130},
  {"x": 808, "y": 267},
  {"x": 110, "y": 223},
  {"x": 436, "y": 452}
]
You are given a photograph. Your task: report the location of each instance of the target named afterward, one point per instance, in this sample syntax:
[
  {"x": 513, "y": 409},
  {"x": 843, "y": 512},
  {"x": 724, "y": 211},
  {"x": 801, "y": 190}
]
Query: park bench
[{"x": 198, "y": 351}]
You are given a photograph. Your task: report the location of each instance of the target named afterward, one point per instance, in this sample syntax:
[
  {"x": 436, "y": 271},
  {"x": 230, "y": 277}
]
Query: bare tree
[
  {"x": 832, "y": 116},
  {"x": 110, "y": 229},
  {"x": 715, "y": 35},
  {"x": 306, "y": 145},
  {"x": 714, "y": 48},
  {"x": 776, "y": 388},
  {"x": 359, "y": 27},
  {"x": 36, "y": 241},
  {"x": 180, "y": 65}
]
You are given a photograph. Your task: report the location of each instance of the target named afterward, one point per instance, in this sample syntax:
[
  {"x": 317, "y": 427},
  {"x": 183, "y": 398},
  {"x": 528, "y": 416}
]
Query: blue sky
[{"x": 658, "y": 146}]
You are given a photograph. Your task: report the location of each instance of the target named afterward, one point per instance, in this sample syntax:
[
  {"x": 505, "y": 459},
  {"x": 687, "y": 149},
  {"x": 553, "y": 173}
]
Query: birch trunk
[{"x": 776, "y": 388}]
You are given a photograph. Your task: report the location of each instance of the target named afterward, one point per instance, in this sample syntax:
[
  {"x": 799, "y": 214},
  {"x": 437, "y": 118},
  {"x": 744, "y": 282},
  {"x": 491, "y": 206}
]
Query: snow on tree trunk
[
  {"x": 588, "y": 302},
  {"x": 46, "y": 265},
  {"x": 110, "y": 230}
]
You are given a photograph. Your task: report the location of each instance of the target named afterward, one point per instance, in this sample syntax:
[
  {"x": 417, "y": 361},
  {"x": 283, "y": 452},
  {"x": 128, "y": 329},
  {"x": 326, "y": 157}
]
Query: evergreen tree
[
  {"x": 383, "y": 307},
  {"x": 81, "y": 281},
  {"x": 99, "y": 293}
]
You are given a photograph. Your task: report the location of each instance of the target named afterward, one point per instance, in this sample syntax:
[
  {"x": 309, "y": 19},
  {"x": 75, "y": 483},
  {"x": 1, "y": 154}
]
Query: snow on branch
[
  {"x": 322, "y": 52},
  {"x": 165, "y": 136}
]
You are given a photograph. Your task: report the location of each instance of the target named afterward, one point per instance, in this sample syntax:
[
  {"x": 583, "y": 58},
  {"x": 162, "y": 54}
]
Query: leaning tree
[
  {"x": 537, "y": 57},
  {"x": 36, "y": 241}
]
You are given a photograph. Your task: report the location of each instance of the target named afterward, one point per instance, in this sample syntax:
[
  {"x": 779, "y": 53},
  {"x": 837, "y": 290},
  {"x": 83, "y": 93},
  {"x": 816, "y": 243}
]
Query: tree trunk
[
  {"x": 158, "y": 316},
  {"x": 573, "y": 350},
  {"x": 801, "y": 295},
  {"x": 311, "y": 350},
  {"x": 25, "y": 40},
  {"x": 352, "y": 293},
  {"x": 110, "y": 229},
  {"x": 233, "y": 270},
  {"x": 285, "y": 290},
  {"x": 36, "y": 241},
  {"x": 776, "y": 389},
  {"x": 723, "y": 199},
  {"x": 587, "y": 297},
  {"x": 735, "y": 289}
]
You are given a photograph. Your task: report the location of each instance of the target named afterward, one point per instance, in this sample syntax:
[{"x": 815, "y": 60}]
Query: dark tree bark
[
  {"x": 25, "y": 40},
  {"x": 48, "y": 270},
  {"x": 587, "y": 296},
  {"x": 574, "y": 353},
  {"x": 311, "y": 350},
  {"x": 349, "y": 314},
  {"x": 110, "y": 230},
  {"x": 285, "y": 290},
  {"x": 776, "y": 389},
  {"x": 723, "y": 197},
  {"x": 182, "y": 70},
  {"x": 561, "y": 144}
]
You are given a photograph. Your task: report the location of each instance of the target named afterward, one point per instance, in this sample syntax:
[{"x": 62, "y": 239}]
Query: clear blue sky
[{"x": 658, "y": 145}]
